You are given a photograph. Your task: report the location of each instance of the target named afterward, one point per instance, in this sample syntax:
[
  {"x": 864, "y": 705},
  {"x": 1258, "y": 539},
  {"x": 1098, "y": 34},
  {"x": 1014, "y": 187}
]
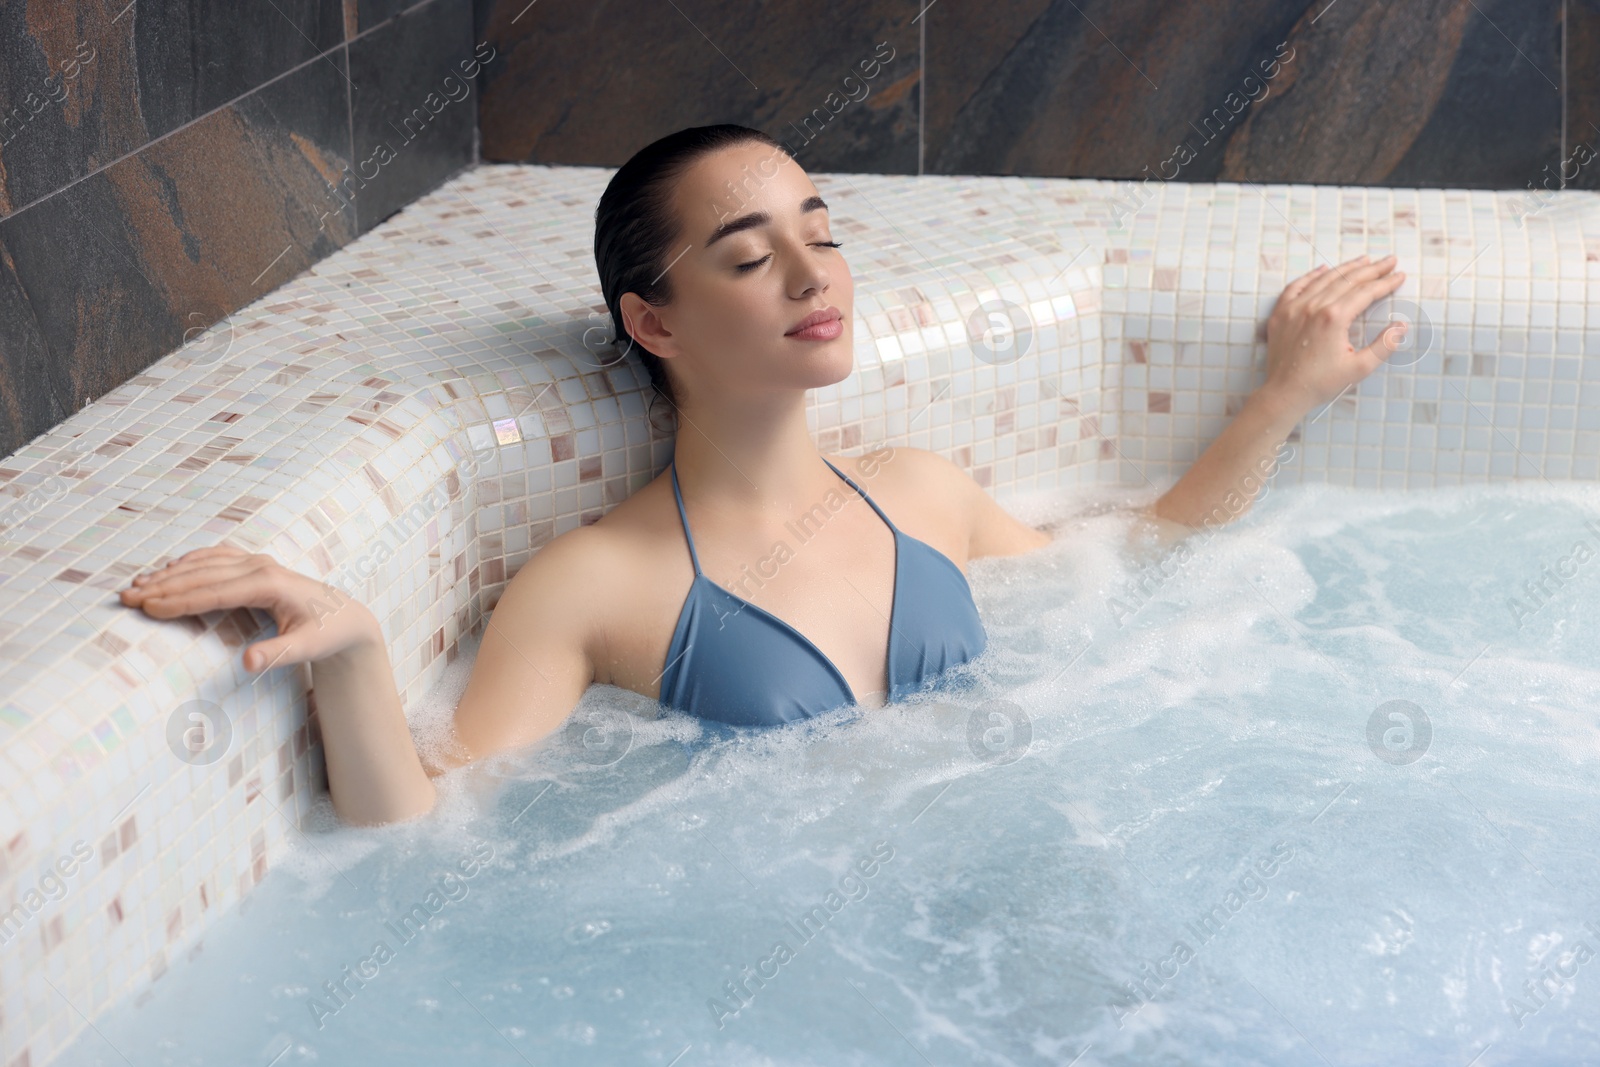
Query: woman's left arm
[{"x": 1310, "y": 362}]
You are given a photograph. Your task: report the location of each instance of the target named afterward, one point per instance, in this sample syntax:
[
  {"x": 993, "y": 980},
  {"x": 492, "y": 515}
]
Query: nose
[{"x": 812, "y": 277}]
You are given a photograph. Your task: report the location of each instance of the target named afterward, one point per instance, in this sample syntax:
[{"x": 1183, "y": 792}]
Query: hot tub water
[{"x": 1325, "y": 791}]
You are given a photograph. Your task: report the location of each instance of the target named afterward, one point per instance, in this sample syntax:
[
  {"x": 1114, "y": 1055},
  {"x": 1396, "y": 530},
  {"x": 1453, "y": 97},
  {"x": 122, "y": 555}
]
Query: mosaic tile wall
[
  {"x": 162, "y": 165},
  {"x": 1500, "y": 377},
  {"x": 415, "y": 415}
]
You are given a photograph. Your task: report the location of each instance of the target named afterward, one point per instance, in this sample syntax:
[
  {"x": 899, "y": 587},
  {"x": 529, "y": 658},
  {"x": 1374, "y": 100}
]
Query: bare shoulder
[
  {"x": 947, "y": 501},
  {"x": 896, "y": 468},
  {"x": 588, "y": 568},
  {"x": 564, "y": 621},
  {"x": 541, "y": 646},
  {"x": 553, "y": 598}
]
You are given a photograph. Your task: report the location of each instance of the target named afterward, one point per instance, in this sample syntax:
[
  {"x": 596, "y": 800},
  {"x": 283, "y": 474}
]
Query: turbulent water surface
[{"x": 1319, "y": 787}]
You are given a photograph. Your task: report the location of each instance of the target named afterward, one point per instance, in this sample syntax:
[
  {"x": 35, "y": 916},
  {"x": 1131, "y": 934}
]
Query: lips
[{"x": 827, "y": 314}]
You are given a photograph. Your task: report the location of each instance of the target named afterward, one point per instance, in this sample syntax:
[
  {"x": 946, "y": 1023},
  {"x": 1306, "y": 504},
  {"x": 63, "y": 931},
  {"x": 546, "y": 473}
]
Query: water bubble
[{"x": 581, "y": 932}]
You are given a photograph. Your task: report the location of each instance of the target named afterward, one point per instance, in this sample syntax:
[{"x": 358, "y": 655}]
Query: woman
[{"x": 717, "y": 263}]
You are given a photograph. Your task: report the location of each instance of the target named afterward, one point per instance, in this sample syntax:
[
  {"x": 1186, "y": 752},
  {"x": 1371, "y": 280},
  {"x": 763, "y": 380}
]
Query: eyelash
[{"x": 753, "y": 264}]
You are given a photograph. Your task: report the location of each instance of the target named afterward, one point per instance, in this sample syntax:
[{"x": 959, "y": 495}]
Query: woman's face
[{"x": 751, "y": 261}]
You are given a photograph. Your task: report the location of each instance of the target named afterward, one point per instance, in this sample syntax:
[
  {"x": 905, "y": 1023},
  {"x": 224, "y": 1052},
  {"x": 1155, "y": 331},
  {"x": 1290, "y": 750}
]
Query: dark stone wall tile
[
  {"x": 1426, "y": 93},
  {"x": 1092, "y": 88},
  {"x": 586, "y": 83},
  {"x": 1491, "y": 121},
  {"x": 113, "y": 77},
  {"x": 69, "y": 102},
  {"x": 28, "y": 406},
  {"x": 195, "y": 56},
  {"x": 414, "y": 107},
  {"x": 100, "y": 309},
  {"x": 1583, "y": 93},
  {"x": 482, "y": 13},
  {"x": 110, "y": 273},
  {"x": 369, "y": 13}
]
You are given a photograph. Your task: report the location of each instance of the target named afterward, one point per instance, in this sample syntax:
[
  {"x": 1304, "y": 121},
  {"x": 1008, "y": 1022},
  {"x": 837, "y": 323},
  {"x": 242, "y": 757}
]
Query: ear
[{"x": 644, "y": 324}]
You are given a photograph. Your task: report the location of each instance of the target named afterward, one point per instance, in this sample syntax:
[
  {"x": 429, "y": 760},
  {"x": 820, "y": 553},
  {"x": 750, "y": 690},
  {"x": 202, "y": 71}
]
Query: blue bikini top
[{"x": 734, "y": 662}]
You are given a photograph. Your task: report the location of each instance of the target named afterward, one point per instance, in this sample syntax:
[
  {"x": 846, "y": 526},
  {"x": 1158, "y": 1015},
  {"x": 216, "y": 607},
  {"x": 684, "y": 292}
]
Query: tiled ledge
[{"x": 417, "y": 414}]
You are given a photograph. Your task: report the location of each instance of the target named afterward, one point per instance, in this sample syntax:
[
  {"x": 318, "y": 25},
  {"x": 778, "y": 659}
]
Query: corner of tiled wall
[{"x": 161, "y": 167}]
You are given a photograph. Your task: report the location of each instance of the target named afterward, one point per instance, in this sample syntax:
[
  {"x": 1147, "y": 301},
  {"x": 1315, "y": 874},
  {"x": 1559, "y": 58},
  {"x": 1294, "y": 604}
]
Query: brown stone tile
[
  {"x": 591, "y": 83},
  {"x": 111, "y": 273},
  {"x": 83, "y": 83},
  {"x": 1583, "y": 93},
  {"x": 1436, "y": 92},
  {"x": 414, "y": 111}
]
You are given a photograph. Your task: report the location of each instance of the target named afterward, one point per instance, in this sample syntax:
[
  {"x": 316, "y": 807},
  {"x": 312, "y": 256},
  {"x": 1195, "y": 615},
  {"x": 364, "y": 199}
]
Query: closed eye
[{"x": 743, "y": 268}]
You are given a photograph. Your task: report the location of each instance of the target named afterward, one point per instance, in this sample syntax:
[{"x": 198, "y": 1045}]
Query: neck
[{"x": 752, "y": 453}]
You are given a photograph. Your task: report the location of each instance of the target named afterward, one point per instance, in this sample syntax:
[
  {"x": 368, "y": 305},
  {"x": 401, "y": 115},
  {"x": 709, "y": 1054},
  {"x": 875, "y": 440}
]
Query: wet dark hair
[{"x": 635, "y": 228}]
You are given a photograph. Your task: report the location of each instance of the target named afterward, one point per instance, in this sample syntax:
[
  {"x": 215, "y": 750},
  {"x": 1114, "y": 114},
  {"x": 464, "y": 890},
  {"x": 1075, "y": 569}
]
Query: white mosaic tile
[{"x": 417, "y": 414}]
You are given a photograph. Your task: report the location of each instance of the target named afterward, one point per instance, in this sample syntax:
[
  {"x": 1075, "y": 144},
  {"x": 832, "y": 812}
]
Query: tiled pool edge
[
  {"x": 569, "y": 440},
  {"x": 86, "y": 720}
]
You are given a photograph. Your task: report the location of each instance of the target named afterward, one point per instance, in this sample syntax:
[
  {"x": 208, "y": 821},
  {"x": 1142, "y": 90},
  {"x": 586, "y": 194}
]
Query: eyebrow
[{"x": 759, "y": 218}]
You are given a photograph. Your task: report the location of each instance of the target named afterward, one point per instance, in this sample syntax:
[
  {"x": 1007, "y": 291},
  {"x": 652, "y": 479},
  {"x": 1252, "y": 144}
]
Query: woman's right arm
[{"x": 531, "y": 669}]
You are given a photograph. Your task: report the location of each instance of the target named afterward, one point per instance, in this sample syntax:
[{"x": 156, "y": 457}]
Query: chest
[{"x": 827, "y": 590}]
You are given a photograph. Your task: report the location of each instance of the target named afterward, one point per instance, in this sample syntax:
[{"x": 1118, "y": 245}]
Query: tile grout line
[
  {"x": 350, "y": 122},
  {"x": 320, "y": 56},
  {"x": 1566, "y": 33},
  {"x": 922, "y": 90}
]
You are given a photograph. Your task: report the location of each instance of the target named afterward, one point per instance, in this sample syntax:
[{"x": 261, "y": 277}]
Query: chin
[{"x": 835, "y": 363}]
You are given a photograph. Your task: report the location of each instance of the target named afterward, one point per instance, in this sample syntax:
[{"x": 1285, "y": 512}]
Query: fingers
[
  {"x": 199, "y": 590},
  {"x": 1335, "y": 282},
  {"x": 1386, "y": 344},
  {"x": 210, "y": 552},
  {"x": 1298, "y": 286},
  {"x": 1360, "y": 297},
  {"x": 1330, "y": 276},
  {"x": 273, "y": 652},
  {"x": 208, "y": 556},
  {"x": 180, "y": 576}
]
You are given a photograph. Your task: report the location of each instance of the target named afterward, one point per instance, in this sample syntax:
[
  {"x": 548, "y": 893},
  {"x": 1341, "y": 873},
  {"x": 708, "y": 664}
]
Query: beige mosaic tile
[{"x": 416, "y": 415}]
